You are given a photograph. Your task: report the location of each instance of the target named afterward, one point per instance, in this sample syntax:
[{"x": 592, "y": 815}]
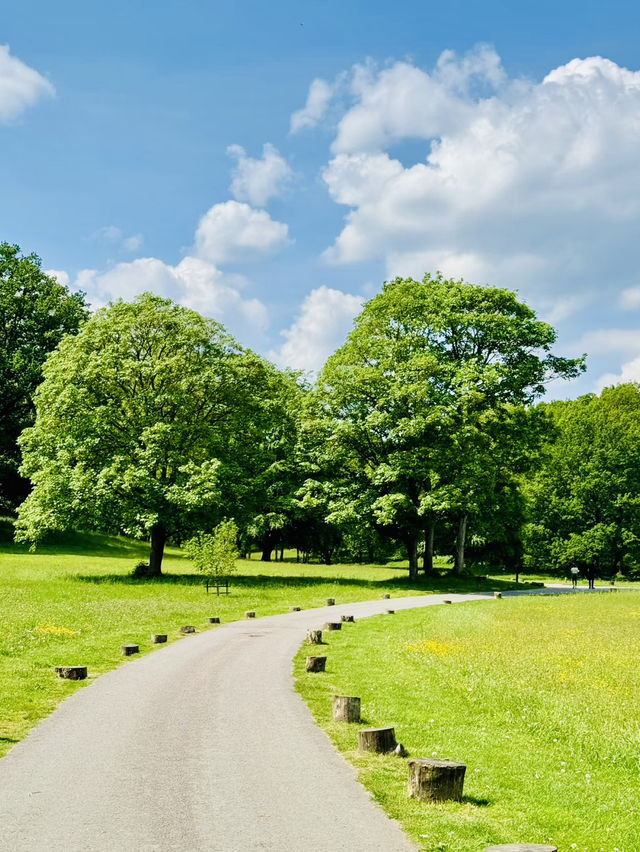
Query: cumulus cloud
[
  {"x": 629, "y": 372},
  {"x": 115, "y": 236},
  {"x": 20, "y": 85},
  {"x": 630, "y": 298},
  {"x": 257, "y": 181},
  {"x": 233, "y": 232},
  {"x": 315, "y": 109},
  {"x": 60, "y": 275},
  {"x": 531, "y": 185},
  {"x": 325, "y": 318}
]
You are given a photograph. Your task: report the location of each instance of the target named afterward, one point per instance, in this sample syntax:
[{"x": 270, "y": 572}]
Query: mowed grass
[
  {"x": 75, "y": 603},
  {"x": 538, "y": 696}
]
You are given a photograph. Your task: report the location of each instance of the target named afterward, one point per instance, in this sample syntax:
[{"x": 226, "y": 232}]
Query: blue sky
[{"x": 271, "y": 165}]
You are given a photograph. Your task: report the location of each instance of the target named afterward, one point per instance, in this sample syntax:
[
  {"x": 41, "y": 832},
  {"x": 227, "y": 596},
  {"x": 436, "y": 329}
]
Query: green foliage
[
  {"x": 36, "y": 312},
  {"x": 215, "y": 555}
]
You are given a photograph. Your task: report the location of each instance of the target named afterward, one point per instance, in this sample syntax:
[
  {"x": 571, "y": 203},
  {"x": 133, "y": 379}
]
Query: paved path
[{"x": 203, "y": 745}]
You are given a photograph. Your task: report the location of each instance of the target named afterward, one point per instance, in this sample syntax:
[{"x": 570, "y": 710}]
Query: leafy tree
[
  {"x": 214, "y": 555},
  {"x": 143, "y": 421},
  {"x": 36, "y": 312},
  {"x": 584, "y": 501},
  {"x": 424, "y": 404}
]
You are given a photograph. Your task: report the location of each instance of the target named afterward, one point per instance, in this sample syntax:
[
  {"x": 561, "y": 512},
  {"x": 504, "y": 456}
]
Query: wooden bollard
[
  {"x": 446, "y": 600},
  {"x": 522, "y": 847},
  {"x": 386, "y": 596},
  {"x": 72, "y": 672},
  {"x": 294, "y": 609},
  {"x": 330, "y": 601},
  {"x": 128, "y": 650},
  {"x": 345, "y": 708},
  {"x": 158, "y": 638},
  {"x": 314, "y": 637},
  {"x": 347, "y": 618},
  {"x": 250, "y": 613},
  {"x": 436, "y": 780},
  {"x": 316, "y": 664},
  {"x": 333, "y": 625},
  {"x": 380, "y": 740},
  {"x": 187, "y": 628},
  {"x": 497, "y": 595},
  {"x": 391, "y": 612},
  {"x": 213, "y": 619}
]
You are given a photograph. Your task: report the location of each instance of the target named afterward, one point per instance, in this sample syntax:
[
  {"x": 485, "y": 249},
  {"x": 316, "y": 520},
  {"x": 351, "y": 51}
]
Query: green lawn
[
  {"x": 538, "y": 696},
  {"x": 74, "y": 603}
]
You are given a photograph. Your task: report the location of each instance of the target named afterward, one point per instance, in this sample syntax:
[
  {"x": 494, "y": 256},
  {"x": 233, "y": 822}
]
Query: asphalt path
[{"x": 202, "y": 745}]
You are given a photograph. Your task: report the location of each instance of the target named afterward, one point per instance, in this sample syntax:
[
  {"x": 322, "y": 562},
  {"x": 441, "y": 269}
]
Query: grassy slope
[
  {"x": 73, "y": 604},
  {"x": 537, "y": 696}
]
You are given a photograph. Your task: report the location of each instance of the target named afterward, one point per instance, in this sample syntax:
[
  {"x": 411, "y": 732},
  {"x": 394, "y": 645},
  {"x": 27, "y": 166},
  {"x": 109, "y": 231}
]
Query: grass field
[
  {"x": 538, "y": 696},
  {"x": 75, "y": 603}
]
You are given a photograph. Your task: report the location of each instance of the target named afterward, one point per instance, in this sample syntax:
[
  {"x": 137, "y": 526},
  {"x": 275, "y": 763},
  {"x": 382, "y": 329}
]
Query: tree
[
  {"x": 424, "y": 401},
  {"x": 584, "y": 501},
  {"x": 214, "y": 555},
  {"x": 36, "y": 312},
  {"x": 143, "y": 421}
]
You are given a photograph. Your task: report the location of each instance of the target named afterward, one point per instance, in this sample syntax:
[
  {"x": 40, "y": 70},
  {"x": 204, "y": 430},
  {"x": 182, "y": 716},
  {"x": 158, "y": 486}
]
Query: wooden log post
[
  {"x": 522, "y": 847},
  {"x": 158, "y": 638},
  {"x": 347, "y": 618},
  {"x": 436, "y": 780},
  {"x": 316, "y": 664},
  {"x": 187, "y": 628},
  {"x": 129, "y": 649},
  {"x": 497, "y": 595},
  {"x": 345, "y": 708},
  {"x": 213, "y": 619},
  {"x": 250, "y": 613},
  {"x": 386, "y": 596},
  {"x": 314, "y": 637},
  {"x": 446, "y": 601},
  {"x": 333, "y": 625},
  {"x": 380, "y": 740},
  {"x": 330, "y": 601},
  {"x": 72, "y": 672},
  {"x": 391, "y": 612},
  {"x": 294, "y": 609}
]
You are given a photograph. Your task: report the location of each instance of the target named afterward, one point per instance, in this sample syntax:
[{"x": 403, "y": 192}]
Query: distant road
[{"x": 203, "y": 745}]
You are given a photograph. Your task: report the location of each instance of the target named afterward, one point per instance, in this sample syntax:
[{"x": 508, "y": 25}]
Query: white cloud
[
  {"x": 20, "y": 85},
  {"x": 256, "y": 181},
  {"x": 325, "y": 318},
  {"x": 630, "y": 298},
  {"x": 60, "y": 275},
  {"x": 115, "y": 236},
  {"x": 529, "y": 185},
  {"x": 232, "y": 232},
  {"x": 606, "y": 340},
  {"x": 315, "y": 109},
  {"x": 629, "y": 372},
  {"x": 194, "y": 283}
]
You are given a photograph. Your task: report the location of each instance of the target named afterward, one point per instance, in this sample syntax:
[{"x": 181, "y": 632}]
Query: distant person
[{"x": 575, "y": 571}]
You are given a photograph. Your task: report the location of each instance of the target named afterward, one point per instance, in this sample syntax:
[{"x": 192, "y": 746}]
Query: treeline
[{"x": 423, "y": 434}]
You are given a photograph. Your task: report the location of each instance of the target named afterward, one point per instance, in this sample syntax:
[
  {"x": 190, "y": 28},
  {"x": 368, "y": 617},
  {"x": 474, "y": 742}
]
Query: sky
[{"x": 270, "y": 165}]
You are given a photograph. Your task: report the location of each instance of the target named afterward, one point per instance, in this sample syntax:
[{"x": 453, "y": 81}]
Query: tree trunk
[
  {"x": 429, "y": 535},
  {"x": 412, "y": 550},
  {"x": 158, "y": 540},
  {"x": 458, "y": 565}
]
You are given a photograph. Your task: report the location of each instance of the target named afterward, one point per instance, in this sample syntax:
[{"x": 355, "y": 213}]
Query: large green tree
[
  {"x": 36, "y": 312},
  {"x": 425, "y": 404},
  {"x": 584, "y": 501},
  {"x": 144, "y": 420}
]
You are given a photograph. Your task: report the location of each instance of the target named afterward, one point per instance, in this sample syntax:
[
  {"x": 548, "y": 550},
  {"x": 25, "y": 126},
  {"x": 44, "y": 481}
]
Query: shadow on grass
[{"x": 473, "y": 800}]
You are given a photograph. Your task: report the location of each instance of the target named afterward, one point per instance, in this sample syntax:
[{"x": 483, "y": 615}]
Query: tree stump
[
  {"x": 158, "y": 638},
  {"x": 347, "y": 618},
  {"x": 294, "y": 609},
  {"x": 380, "y": 740},
  {"x": 213, "y": 619},
  {"x": 316, "y": 664},
  {"x": 345, "y": 708},
  {"x": 391, "y": 612},
  {"x": 497, "y": 594},
  {"x": 250, "y": 613},
  {"x": 386, "y": 596},
  {"x": 446, "y": 601},
  {"x": 522, "y": 847},
  {"x": 333, "y": 625},
  {"x": 72, "y": 672},
  {"x": 314, "y": 637},
  {"x": 187, "y": 628},
  {"x": 436, "y": 780},
  {"x": 128, "y": 650},
  {"x": 330, "y": 601}
]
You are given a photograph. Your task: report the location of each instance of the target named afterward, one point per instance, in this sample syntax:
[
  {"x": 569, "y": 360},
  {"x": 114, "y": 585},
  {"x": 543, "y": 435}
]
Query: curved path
[{"x": 203, "y": 745}]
